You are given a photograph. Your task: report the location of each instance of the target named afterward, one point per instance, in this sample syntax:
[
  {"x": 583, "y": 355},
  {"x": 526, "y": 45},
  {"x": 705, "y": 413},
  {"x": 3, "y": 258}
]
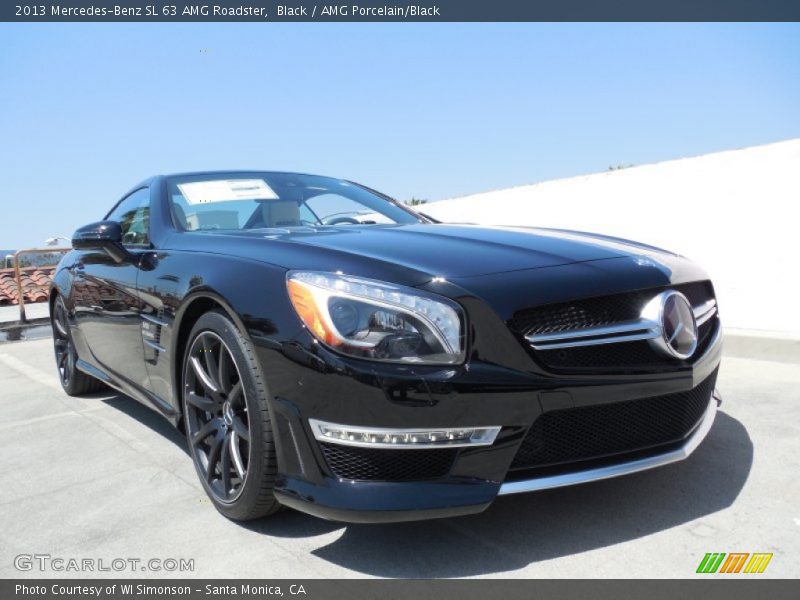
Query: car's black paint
[{"x": 130, "y": 320}]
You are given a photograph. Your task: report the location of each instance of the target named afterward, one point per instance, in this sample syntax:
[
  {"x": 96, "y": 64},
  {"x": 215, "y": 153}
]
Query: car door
[{"x": 107, "y": 304}]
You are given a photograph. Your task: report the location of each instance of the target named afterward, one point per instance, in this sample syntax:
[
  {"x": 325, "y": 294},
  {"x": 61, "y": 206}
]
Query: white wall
[{"x": 735, "y": 213}]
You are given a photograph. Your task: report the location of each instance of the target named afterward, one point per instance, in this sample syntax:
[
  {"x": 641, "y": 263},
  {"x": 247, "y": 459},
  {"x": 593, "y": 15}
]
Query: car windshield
[{"x": 230, "y": 201}]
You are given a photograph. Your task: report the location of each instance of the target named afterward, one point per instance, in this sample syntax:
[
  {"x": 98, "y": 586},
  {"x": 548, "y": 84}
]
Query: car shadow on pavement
[
  {"x": 519, "y": 530},
  {"x": 146, "y": 416}
]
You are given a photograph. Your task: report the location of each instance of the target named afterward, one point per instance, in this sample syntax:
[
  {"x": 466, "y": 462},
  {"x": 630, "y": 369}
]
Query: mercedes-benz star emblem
[{"x": 673, "y": 313}]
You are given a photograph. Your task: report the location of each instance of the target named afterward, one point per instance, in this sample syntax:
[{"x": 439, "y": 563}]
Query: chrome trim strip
[
  {"x": 705, "y": 317},
  {"x": 634, "y": 466},
  {"x": 627, "y": 331},
  {"x": 154, "y": 320},
  {"x": 152, "y": 344},
  {"x": 704, "y": 312},
  {"x": 491, "y": 432}
]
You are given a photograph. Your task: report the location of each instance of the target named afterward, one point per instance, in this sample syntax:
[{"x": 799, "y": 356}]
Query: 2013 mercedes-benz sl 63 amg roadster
[{"x": 326, "y": 348}]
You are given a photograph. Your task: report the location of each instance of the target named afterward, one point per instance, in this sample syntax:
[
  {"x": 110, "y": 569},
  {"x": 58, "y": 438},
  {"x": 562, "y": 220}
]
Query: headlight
[{"x": 378, "y": 321}]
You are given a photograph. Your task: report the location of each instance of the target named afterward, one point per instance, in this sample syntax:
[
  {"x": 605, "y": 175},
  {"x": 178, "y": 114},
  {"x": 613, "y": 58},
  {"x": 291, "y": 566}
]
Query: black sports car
[{"x": 326, "y": 348}]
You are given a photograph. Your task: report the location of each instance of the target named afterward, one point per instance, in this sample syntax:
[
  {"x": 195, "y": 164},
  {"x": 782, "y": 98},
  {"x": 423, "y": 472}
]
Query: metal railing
[{"x": 18, "y": 274}]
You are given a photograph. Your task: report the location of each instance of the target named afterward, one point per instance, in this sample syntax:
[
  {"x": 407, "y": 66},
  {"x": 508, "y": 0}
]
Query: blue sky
[{"x": 425, "y": 110}]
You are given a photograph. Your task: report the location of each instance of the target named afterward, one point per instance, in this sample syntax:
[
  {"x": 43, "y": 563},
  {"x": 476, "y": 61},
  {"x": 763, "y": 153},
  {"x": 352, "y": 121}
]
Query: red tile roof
[{"x": 35, "y": 282}]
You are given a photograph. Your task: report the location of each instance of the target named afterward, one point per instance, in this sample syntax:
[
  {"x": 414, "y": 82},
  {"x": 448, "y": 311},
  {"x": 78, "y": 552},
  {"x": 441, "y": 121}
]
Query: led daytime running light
[{"x": 377, "y": 437}]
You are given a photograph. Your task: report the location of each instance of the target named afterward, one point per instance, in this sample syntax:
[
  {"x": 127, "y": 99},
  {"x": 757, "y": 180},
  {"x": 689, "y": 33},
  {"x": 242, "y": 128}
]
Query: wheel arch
[
  {"x": 59, "y": 285},
  {"x": 195, "y": 306},
  {"x": 52, "y": 294}
]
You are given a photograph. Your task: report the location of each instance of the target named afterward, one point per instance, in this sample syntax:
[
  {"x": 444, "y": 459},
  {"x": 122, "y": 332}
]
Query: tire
[
  {"x": 227, "y": 423},
  {"x": 74, "y": 381}
]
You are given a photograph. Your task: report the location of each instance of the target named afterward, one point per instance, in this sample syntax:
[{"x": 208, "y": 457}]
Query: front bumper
[{"x": 325, "y": 386}]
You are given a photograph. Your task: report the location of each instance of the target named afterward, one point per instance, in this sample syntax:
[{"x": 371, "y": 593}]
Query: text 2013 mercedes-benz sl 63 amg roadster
[{"x": 326, "y": 348}]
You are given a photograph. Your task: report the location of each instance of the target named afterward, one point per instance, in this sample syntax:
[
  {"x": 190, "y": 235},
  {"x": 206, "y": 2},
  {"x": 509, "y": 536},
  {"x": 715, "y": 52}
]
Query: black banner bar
[
  {"x": 712, "y": 588},
  {"x": 387, "y": 10}
]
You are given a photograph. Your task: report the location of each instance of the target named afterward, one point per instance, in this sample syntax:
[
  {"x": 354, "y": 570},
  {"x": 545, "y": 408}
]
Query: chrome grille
[{"x": 608, "y": 332}]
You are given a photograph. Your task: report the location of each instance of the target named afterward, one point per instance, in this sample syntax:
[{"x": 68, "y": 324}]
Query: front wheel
[{"x": 228, "y": 428}]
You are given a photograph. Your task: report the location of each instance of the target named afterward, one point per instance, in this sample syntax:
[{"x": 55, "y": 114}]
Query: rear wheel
[
  {"x": 227, "y": 422},
  {"x": 74, "y": 381}
]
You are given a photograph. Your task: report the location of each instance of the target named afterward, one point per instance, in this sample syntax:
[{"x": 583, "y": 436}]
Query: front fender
[{"x": 183, "y": 285}]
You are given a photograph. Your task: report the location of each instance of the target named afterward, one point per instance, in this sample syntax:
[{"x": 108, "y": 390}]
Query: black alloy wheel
[
  {"x": 64, "y": 348},
  {"x": 216, "y": 416},
  {"x": 227, "y": 425},
  {"x": 74, "y": 381}
]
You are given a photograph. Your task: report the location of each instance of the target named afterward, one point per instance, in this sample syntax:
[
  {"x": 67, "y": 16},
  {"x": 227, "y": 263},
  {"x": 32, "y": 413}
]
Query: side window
[
  {"x": 133, "y": 213},
  {"x": 306, "y": 216}
]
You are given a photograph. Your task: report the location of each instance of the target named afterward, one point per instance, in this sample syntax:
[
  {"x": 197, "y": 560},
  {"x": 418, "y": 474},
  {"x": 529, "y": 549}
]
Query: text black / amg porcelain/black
[{"x": 329, "y": 349}]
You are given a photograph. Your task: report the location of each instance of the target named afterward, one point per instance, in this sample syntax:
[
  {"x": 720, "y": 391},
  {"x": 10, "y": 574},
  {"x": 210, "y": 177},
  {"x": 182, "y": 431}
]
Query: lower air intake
[
  {"x": 563, "y": 438},
  {"x": 368, "y": 464}
]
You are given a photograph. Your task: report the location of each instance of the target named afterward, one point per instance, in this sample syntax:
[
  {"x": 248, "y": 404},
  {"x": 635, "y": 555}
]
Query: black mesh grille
[
  {"x": 590, "y": 432},
  {"x": 607, "y": 310},
  {"x": 371, "y": 464}
]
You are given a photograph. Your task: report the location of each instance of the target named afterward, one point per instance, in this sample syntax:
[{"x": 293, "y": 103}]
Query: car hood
[{"x": 439, "y": 249}]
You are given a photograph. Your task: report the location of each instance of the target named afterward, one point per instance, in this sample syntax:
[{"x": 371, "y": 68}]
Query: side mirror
[{"x": 102, "y": 235}]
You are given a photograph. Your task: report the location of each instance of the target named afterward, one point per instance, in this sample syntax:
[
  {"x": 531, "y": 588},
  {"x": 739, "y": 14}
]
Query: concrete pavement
[
  {"x": 36, "y": 311},
  {"x": 105, "y": 478}
]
